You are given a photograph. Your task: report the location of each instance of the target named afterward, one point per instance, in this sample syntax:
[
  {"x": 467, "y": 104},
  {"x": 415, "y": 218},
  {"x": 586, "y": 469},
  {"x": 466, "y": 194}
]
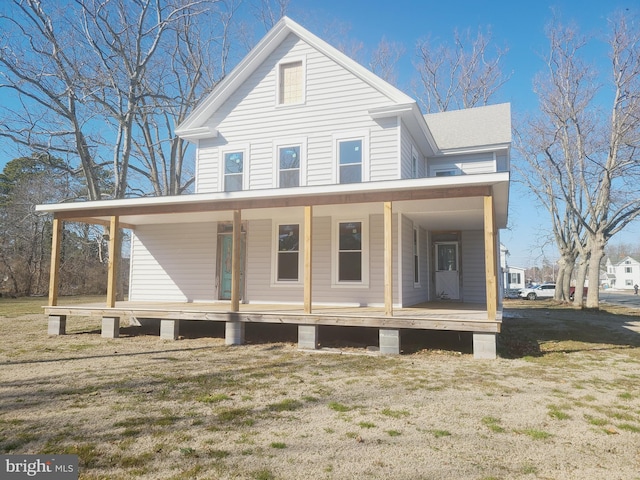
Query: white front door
[{"x": 447, "y": 271}]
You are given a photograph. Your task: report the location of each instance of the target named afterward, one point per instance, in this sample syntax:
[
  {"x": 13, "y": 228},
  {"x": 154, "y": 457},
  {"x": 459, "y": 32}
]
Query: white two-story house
[{"x": 320, "y": 185}]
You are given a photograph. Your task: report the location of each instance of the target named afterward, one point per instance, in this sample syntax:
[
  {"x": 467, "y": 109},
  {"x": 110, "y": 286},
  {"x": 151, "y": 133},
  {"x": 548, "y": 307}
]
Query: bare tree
[
  {"x": 463, "y": 75},
  {"x": 268, "y": 12},
  {"x": 195, "y": 59},
  {"x": 592, "y": 153},
  {"x": 44, "y": 72},
  {"x": 384, "y": 60}
]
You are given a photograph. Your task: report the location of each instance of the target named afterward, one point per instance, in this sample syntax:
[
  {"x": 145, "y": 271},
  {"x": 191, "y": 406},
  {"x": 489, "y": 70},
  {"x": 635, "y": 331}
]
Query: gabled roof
[{"x": 194, "y": 126}]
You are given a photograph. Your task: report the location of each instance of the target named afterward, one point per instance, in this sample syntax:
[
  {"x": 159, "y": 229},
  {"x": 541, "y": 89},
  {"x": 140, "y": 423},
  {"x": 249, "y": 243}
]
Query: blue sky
[{"x": 517, "y": 25}]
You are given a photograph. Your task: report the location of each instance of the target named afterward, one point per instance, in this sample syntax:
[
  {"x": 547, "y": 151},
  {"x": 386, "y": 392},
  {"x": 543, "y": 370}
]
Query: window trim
[
  {"x": 365, "y": 252},
  {"x": 290, "y": 142},
  {"x": 346, "y": 137},
  {"x": 245, "y": 150},
  {"x": 275, "y": 224},
  {"x": 415, "y": 242},
  {"x": 287, "y": 61}
]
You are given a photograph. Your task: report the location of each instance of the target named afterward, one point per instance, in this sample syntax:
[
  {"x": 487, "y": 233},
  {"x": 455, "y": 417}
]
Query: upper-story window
[
  {"x": 291, "y": 83},
  {"x": 350, "y": 159},
  {"x": 289, "y": 166},
  {"x": 448, "y": 172},
  {"x": 233, "y": 171}
]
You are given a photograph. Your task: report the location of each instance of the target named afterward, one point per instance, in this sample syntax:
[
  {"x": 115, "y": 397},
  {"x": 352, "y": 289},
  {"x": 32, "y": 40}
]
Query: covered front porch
[{"x": 436, "y": 204}]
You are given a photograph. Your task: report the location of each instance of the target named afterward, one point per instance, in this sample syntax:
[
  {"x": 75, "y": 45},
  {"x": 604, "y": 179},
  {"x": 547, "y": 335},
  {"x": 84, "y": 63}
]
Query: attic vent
[{"x": 291, "y": 83}]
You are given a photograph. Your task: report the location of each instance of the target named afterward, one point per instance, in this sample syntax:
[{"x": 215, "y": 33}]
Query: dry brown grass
[{"x": 562, "y": 402}]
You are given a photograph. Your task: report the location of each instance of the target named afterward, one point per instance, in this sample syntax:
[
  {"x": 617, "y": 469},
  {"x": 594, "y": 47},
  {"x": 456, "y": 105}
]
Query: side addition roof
[{"x": 480, "y": 127}]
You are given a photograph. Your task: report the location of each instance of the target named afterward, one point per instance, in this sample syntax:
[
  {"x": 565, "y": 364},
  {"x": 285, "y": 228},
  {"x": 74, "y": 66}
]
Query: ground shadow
[{"x": 526, "y": 328}]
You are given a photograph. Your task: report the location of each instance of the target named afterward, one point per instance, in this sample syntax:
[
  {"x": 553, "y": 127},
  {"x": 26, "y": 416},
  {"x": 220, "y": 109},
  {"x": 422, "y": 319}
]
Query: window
[
  {"x": 514, "y": 278},
  {"x": 291, "y": 83},
  {"x": 445, "y": 173},
  {"x": 416, "y": 258},
  {"x": 233, "y": 171},
  {"x": 414, "y": 163},
  {"x": 289, "y": 166},
  {"x": 288, "y": 260},
  {"x": 350, "y": 161},
  {"x": 628, "y": 283},
  {"x": 628, "y": 269},
  {"x": 350, "y": 252}
]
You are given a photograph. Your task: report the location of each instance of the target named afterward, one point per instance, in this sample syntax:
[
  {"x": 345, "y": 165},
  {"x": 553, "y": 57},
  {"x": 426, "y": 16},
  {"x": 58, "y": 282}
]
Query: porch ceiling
[{"x": 434, "y": 203}]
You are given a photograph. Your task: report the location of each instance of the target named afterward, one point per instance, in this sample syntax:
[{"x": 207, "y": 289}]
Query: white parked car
[{"x": 546, "y": 290}]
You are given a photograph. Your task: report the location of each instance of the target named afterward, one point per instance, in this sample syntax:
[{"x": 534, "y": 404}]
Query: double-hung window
[
  {"x": 288, "y": 255},
  {"x": 350, "y": 250},
  {"x": 289, "y": 166},
  {"x": 350, "y": 160},
  {"x": 233, "y": 165}
]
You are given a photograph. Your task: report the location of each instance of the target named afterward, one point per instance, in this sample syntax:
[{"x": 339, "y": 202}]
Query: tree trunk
[
  {"x": 581, "y": 276},
  {"x": 596, "y": 256}
]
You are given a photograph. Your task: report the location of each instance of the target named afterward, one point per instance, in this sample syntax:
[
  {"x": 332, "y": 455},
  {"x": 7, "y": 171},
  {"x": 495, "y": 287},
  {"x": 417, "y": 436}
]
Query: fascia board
[{"x": 492, "y": 179}]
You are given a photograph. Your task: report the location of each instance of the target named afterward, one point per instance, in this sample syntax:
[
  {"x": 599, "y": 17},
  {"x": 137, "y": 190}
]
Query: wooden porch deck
[{"x": 428, "y": 316}]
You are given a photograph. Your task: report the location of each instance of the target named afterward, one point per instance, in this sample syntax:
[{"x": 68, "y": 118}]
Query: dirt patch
[{"x": 562, "y": 402}]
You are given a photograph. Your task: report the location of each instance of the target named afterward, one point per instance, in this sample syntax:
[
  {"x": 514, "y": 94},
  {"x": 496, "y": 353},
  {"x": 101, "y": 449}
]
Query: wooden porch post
[
  {"x": 114, "y": 259},
  {"x": 490, "y": 257},
  {"x": 308, "y": 220},
  {"x": 235, "y": 261},
  {"x": 56, "y": 243},
  {"x": 388, "y": 259}
]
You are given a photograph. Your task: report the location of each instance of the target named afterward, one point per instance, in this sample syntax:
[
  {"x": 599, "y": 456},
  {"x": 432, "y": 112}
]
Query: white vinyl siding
[
  {"x": 335, "y": 101},
  {"x": 473, "y": 267},
  {"x": 384, "y": 153},
  {"x": 408, "y": 152},
  {"x": 463, "y": 164},
  {"x": 173, "y": 262}
]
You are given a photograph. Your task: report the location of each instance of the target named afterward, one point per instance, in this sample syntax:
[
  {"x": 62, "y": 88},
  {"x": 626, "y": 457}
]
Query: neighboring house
[
  {"x": 318, "y": 185},
  {"x": 623, "y": 274},
  {"x": 513, "y": 277}
]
